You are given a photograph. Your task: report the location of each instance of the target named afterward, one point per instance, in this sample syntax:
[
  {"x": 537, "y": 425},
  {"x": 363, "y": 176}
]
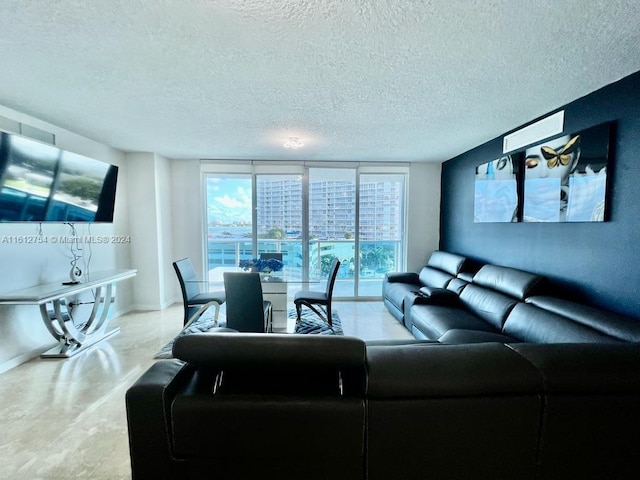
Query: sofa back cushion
[
  {"x": 447, "y": 262},
  {"x": 490, "y": 305},
  {"x": 609, "y": 323},
  {"x": 274, "y": 363},
  {"x": 440, "y": 411},
  {"x": 510, "y": 281},
  {"x": 531, "y": 324},
  {"x": 432, "y": 277}
]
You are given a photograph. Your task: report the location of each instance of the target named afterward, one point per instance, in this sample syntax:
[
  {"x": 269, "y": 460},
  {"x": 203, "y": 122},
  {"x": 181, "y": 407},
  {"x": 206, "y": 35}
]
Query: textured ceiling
[{"x": 353, "y": 79}]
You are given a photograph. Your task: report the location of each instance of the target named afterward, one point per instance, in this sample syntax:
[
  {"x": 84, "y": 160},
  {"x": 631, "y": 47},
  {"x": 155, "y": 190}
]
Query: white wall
[
  {"x": 22, "y": 332},
  {"x": 151, "y": 229},
  {"x": 423, "y": 228},
  {"x": 187, "y": 210},
  {"x": 164, "y": 200}
]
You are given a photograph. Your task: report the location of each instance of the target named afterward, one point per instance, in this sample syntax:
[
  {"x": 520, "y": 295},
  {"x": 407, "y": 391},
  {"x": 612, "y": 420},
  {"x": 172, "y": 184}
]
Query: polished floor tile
[{"x": 65, "y": 419}]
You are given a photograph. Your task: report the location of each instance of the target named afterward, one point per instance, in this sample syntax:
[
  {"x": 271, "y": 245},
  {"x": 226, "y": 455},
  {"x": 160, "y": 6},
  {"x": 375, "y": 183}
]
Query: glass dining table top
[{"x": 292, "y": 277}]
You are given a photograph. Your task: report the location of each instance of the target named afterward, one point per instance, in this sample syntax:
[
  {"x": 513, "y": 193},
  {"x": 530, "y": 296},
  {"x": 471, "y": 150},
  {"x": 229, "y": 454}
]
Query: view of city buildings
[{"x": 335, "y": 221}]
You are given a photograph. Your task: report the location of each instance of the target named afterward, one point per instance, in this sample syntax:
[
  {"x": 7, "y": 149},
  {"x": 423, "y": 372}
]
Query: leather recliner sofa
[
  {"x": 440, "y": 269},
  {"x": 323, "y": 407},
  {"x": 503, "y": 304}
]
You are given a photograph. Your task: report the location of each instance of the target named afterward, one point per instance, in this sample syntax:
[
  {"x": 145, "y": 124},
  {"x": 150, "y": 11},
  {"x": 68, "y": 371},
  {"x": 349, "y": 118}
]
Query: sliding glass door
[
  {"x": 311, "y": 215},
  {"x": 381, "y": 229},
  {"x": 332, "y": 225}
]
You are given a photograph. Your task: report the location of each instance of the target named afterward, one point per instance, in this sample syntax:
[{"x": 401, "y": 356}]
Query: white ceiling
[{"x": 353, "y": 79}]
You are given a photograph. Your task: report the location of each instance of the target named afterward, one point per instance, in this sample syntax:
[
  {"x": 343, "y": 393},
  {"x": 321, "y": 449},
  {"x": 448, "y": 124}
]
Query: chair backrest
[
  {"x": 187, "y": 278},
  {"x": 268, "y": 255},
  {"x": 244, "y": 304},
  {"x": 333, "y": 273}
]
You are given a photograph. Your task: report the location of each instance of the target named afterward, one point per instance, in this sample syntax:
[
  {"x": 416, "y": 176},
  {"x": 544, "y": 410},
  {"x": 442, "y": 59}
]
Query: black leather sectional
[
  {"x": 255, "y": 406},
  {"x": 444, "y": 302},
  {"x": 502, "y": 381}
]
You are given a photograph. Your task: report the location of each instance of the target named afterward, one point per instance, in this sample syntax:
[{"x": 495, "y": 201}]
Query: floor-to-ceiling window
[
  {"x": 228, "y": 218},
  {"x": 279, "y": 218},
  {"x": 332, "y": 225},
  {"x": 310, "y": 214},
  {"x": 381, "y": 227}
]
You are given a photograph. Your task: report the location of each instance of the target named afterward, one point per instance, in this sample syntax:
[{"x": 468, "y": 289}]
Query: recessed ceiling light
[{"x": 294, "y": 142}]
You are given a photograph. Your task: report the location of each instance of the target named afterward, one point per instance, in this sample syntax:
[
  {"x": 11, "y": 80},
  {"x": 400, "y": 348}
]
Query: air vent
[
  {"x": 545, "y": 128},
  {"x": 11, "y": 126}
]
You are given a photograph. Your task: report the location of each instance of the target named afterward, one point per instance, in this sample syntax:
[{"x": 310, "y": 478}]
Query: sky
[{"x": 228, "y": 200}]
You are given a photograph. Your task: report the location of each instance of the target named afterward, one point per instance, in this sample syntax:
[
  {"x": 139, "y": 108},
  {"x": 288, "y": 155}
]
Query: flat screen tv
[{"x": 41, "y": 183}]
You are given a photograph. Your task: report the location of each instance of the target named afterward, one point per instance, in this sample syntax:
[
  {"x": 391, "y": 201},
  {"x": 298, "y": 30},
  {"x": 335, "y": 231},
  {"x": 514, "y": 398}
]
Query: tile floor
[{"x": 65, "y": 419}]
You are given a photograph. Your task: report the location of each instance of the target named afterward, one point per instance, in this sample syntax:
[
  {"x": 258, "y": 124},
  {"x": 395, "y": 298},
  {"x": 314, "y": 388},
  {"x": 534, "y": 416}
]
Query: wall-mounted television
[{"x": 42, "y": 183}]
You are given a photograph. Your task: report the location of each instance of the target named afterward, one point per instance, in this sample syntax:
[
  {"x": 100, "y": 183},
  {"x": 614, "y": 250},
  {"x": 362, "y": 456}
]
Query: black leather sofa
[
  {"x": 323, "y": 407},
  {"x": 440, "y": 269},
  {"x": 502, "y": 381},
  {"x": 498, "y": 304}
]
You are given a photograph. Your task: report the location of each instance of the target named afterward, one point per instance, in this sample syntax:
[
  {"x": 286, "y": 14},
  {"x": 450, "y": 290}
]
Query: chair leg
[
  {"x": 215, "y": 315},
  {"x": 298, "y": 313},
  {"x": 329, "y": 317}
]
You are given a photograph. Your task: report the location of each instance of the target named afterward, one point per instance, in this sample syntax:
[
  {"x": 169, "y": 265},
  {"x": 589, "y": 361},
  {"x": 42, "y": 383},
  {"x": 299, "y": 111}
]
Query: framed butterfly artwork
[
  {"x": 496, "y": 192},
  {"x": 562, "y": 179},
  {"x": 565, "y": 178}
]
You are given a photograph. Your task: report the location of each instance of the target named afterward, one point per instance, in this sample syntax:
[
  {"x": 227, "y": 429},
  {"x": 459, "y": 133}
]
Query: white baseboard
[{"x": 24, "y": 357}]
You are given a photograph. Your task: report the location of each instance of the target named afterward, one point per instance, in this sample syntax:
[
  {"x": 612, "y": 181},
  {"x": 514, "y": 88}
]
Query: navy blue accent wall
[{"x": 594, "y": 263}]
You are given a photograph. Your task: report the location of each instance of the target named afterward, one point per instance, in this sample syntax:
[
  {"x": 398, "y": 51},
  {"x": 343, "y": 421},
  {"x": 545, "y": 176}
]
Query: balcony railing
[{"x": 375, "y": 259}]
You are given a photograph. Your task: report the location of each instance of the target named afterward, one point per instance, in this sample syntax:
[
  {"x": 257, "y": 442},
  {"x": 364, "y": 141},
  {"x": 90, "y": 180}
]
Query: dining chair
[
  {"x": 247, "y": 310},
  {"x": 268, "y": 255},
  {"x": 318, "y": 302},
  {"x": 195, "y": 301}
]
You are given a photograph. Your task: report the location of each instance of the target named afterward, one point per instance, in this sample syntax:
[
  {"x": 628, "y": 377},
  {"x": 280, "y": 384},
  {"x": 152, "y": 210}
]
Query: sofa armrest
[
  {"x": 402, "y": 277},
  {"x": 437, "y": 296},
  {"x": 430, "y": 296},
  {"x": 148, "y": 403}
]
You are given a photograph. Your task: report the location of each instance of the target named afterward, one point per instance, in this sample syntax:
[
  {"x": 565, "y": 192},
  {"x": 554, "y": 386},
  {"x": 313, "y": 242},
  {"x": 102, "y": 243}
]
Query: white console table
[{"x": 73, "y": 335}]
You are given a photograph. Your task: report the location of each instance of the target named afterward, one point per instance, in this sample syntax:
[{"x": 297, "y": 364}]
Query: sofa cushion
[
  {"x": 510, "y": 281},
  {"x": 489, "y": 305},
  {"x": 435, "y": 320},
  {"x": 427, "y": 296},
  {"x": 447, "y": 262},
  {"x": 227, "y": 425},
  {"x": 448, "y": 371},
  {"x": 535, "y": 325},
  {"x": 466, "y": 277},
  {"x": 459, "y": 336},
  {"x": 456, "y": 285},
  {"x": 432, "y": 277},
  {"x": 609, "y": 323}
]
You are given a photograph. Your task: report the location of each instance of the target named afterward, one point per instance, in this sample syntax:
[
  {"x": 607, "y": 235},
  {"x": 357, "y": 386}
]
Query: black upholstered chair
[
  {"x": 195, "y": 301},
  {"x": 247, "y": 310},
  {"x": 318, "y": 302}
]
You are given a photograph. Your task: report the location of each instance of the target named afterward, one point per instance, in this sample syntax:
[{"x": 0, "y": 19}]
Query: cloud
[{"x": 233, "y": 202}]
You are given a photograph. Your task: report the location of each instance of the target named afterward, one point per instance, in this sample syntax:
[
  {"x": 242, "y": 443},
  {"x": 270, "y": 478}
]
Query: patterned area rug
[
  {"x": 203, "y": 324},
  {"x": 310, "y": 323}
]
